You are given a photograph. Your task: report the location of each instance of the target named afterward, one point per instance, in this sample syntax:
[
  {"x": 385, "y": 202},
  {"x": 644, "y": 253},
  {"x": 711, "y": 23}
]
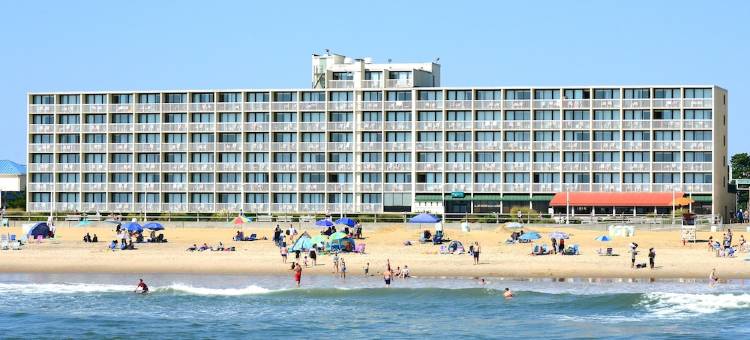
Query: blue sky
[{"x": 107, "y": 45}]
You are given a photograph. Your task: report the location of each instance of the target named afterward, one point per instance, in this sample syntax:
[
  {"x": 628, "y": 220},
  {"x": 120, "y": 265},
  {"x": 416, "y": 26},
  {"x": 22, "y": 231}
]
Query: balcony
[
  {"x": 396, "y": 146},
  {"x": 341, "y": 147},
  {"x": 41, "y": 128},
  {"x": 397, "y": 187},
  {"x": 149, "y": 108},
  {"x": 121, "y": 128},
  {"x": 638, "y": 166},
  {"x": 458, "y": 146},
  {"x": 369, "y": 84},
  {"x": 340, "y": 126},
  {"x": 697, "y": 166},
  {"x": 147, "y": 207},
  {"x": 546, "y": 187},
  {"x": 547, "y": 125},
  {"x": 571, "y": 166},
  {"x": 201, "y": 167},
  {"x": 399, "y": 105},
  {"x": 398, "y": 126},
  {"x": 257, "y": 147},
  {"x": 608, "y": 146},
  {"x": 516, "y": 187},
  {"x": 284, "y": 127},
  {"x": 453, "y": 187},
  {"x": 340, "y": 84},
  {"x": 488, "y": 125},
  {"x": 516, "y": 146},
  {"x": 229, "y": 127},
  {"x": 201, "y": 207},
  {"x": 576, "y": 186},
  {"x": 429, "y": 105},
  {"x": 697, "y": 146},
  {"x": 120, "y": 167},
  {"x": 547, "y": 104},
  {"x": 399, "y": 83},
  {"x": 517, "y": 104},
  {"x": 257, "y": 167},
  {"x": 201, "y": 187},
  {"x": 312, "y": 126},
  {"x": 229, "y": 147},
  {"x": 42, "y": 148},
  {"x": 636, "y": 145},
  {"x": 284, "y": 106},
  {"x": 70, "y": 148},
  {"x": 458, "y": 167},
  {"x": 174, "y": 107},
  {"x": 517, "y": 124},
  {"x": 397, "y": 167},
  {"x": 121, "y": 187},
  {"x": 93, "y": 167},
  {"x": 340, "y": 207},
  {"x": 698, "y": 188},
  {"x": 256, "y": 127},
  {"x": 636, "y": 124},
  {"x": 487, "y": 187},
  {"x": 68, "y": 108},
  {"x": 312, "y": 106},
  {"x": 41, "y": 108},
  {"x": 370, "y": 146},
  {"x": 666, "y": 187},
  {"x": 147, "y": 147},
  {"x": 312, "y": 187},
  {"x": 312, "y": 207},
  {"x": 371, "y": 106},
  {"x": 174, "y": 187},
  {"x": 202, "y": 107},
  {"x": 606, "y": 103},
  {"x": 429, "y": 146},
  {"x": 312, "y": 167},
  {"x": 202, "y": 147},
  {"x": 605, "y": 125},
  {"x": 377, "y": 125},
  {"x": 672, "y": 103},
  {"x": 516, "y": 166},
  {"x": 257, "y": 106},
  {"x": 95, "y": 108},
  {"x": 228, "y": 187},
  {"x": 576, "y": 104},
  {"x": 340, "y": 167},
  {"x": 202, "y": 127},
  {"x": 606, "y": 187},
  {"x": 666, "y": 124},
  {"x": 149, "y": 167},
  {"x": 370, "y": 208},
  {"x": 284, "y": 146},
  {"x": 284, "y": 187},
  {"x": 228, "y": 107},
  {"x": 41, "y": 187},
  {"x": 256, "y": 207},
  {"x": 174, "y": 167},
  {"x": 174, "y": 127},
  {"x": 371, "y": 167},
  {"x": 40, "y": 167},
  {"x": 67, "y": 206},
  {"x": 636, "y": 103},
  {"x": 429, "y": 187},
  {"x": 494, "y": 105},
  {"x": 255, "y": 187},
  {"x": 93, "y": 207},
  {"x": 698, "y": 103},
  {"x": 488, "y": 146},
  {"x": 40, "y": 206},
  {"x": 698, "y": 124},
  {"x": 174, "y": 147},
  {"x": 668, "y": 146},
  {"x": 635, "y": 187},
  {"x": 605, "y": 166},
  {"x": 576, "y": 124},
  {"x": 458, "y": 125},
  {"x": 463, "y": 105},
  {"x": 121, "y": 108},
  {"x": 581, "y": 146},
  {"x": 340, "y": 187},
  {"x": 68, "y": 128},
  {"x": 546, "y": 146},
  {"x": 661, "y": 166},
  {"x": 429, "y": 166},
  {"x": 546, "y": 166},
  {"x": 370, "y": 187},
  {"x": 174, "y": 207},
  {"x": 147, "y": 187},
  {"x": 340, "y": 106}
]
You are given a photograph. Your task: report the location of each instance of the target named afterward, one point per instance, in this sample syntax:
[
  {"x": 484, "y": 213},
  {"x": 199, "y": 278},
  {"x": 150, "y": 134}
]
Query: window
[
  {"x": 202, "y": 98},
  {"x": 121, "y": 158},
  {"x": 398, "y": 136},
  {"x": 546, "y": 157},
  {"x": 173, "y": 197},
  {"x": 666, "y": 114},
  {"x": 546, "y": 115},
  {"x": 256, "y": 198},
  {"x": 313, "y": 137},
  {"x": 393, "y": 96},
  {"x": 698, "y": 156},
  {"x": 340, "y": 117},
  {"x": 576, "y": 135},
  {"x": 230, "y": 157},
  {"x": 576, "y": 115},
  {"x": 42, "y": 197},
  {"x": 636, "y": 135},
  {"x": 94, "y": 197},
  {"x": 458, "y": 95},
  {"x": 666, "y": 177},
  {"x": 429, "y": 136},
  {"x": 96, "y": 99},
  {"x": 175, "y": 118},
  {"x": 635, "y": 177},
  {"x": 516, "y": 136},
  {"x": 429, "y": 157},
  {"x": 546, "y": 136},
  {"x": 517, "y": 94},
  {"x": 197, "y": 197},
  {"x": 42, "y": 99},
  {"x": 637, "y": 94},
  {"x": 67, "y": 177},
  {"x": 487, "y": 157},
  {"x": 201, "y": 157},
  {"x": 399, "y": 75},
  {"x": 576, "y": 156},
  {"x": 70, "y": 99},
  {"x": 698, "y": 135},
  {"x": 488, "y": 136},
  {"x": 458, "y": 157},
  {"x": 67, "y": 197},
  {"x": 121, "y": 138},
  {"x": 698, "y": 114},
  {"x": 41, "y": 177},
  {"x": 516, "y": 177},
  {"x": 667, "y": 135},
  {"x": 372, "y": 136},
  {"x": 313, "y": 97},
  {"x": 607, "y": 135},
  {"x": 459, "y": 115},
  {"x": 256, "y": 137},
  {"x": 174, "y": 138},
  {"x": 430, "y": 95},
  {"x": 488, "y": 95},
  {"x": 70, "y": 119},
  {"x": 313, "y": 198},
  {"x": 201, "y": 117},
  {"x": 372, "y": 96},
  {"x": 147, "y": 197},
  {"x": 122, "y": 118},
  {"x": 372, "y": 116},
  {"x": 373, "y": 75},
  {"x": 201, "y": 177},
  {"x": 284, "y": 117},
  {"x": 256, "y": 97},
  {"x": 513, "y": 157},
  {"x": 398, "y": 177},
  {"x": 457, "y": 177},
  {"x": 606, "y": 93},
  {"x": 148, "y": 158},
  {"x": 606, "y": 115},
  {"x": 284, "y": 157},
  {"x": 229, "y": 137},
  {"x": 666, "y": 93},
  {"x": 339, "y": 198},
  {"x": 698, "y": 93},
  {"x": 44, "y": 139},
  {"x": 458, "y": 136},
  {"x": 120, "y": 177},
  {"x": 148, "y": 138},
  {"x": 340, "y": 157},
  {"x": 340, "y": 137},
  {"x": 429, "y": 116},
  {"x": 698, "y": 177},
  {"x": 284, "y": 137},
  {"x": 342, "y": 76},
  {"x": 256, "y": 157},
  {"x": 148, "y": 177},
  {"x": 337, "y": 96},
  {"x": 398, "y": 116},
  {"x": 150, "y": 98},
  {"x": 41, "y": 158},
  {"x": 174, "y": 177},
  {"x": 398, "y": 157},
  {"x": 636, "y": 156},
  {"x": 606, "y": 177},
  {"x": 201, "y": 138},
  {"x": 45, "y": 119},
  {"x": 68, "y": 158},
  {"x": 430, "y": 177},
  {"x": 256, "y": 177},
  {"x": 606, "y": 156},
  {"x": 489, "y": 116},
  {"x": 637, "y": 115},
  {"x": 340, "y": 177},
  {"x": 517, "y": 115},
  {"x": 229, "y": 97},
  {"x": 371, "y": 177},
  {"x": 546, "y": 177},
  {"x": 576, "y": 177},
  {"x": 397, "y": 200},
  {"x": 666, "y": 156},
  {"x": 313, "y": 177},
  {"x": 547, "y": 94},
  {"x": 256, "y": 117},
  {"x": 122, "y": 98},
  {"x": 229, "y": 117}
]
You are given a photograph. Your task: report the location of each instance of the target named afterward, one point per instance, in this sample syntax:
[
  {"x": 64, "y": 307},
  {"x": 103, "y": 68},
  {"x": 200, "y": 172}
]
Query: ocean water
[{"x": 56, "y": 306}]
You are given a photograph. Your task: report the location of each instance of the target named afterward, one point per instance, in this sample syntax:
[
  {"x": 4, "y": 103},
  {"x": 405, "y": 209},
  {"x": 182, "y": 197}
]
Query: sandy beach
[{"x": 68, "y": 253}]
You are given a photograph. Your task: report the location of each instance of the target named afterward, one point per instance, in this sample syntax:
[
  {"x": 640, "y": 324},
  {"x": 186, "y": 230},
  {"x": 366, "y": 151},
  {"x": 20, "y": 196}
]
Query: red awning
[{"x": 615, "y": 199}]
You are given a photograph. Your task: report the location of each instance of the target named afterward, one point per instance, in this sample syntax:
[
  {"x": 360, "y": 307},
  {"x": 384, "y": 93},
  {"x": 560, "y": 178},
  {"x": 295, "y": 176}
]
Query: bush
[{"x": 527, "y": 214}]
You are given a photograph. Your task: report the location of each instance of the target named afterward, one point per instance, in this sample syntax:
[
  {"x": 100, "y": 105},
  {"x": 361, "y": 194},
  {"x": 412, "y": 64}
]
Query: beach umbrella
[
  {"x": 682, "y": 201},
  {"x": 319, "y": 239},
  {"x": 346, "y": 221},
  {"x": 133, "y": 227},
  {"x": 338, "y": 235},
  {"x": 424, "y": 218},
  {"x": 324, "y": 223},
  {"x": 514, "y": 225},
  {"x": 530, "y": 236},
  {"x": 153, "y": 226},
  {"x": 603, "y": 238},
  {"x": 83, "y": 223},
  {"x": 238, "y": 220},
  {"x": 559, "y": 235}
]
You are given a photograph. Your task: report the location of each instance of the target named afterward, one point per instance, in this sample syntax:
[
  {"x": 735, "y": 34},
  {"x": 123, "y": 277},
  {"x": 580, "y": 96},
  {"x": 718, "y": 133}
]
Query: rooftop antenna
[
  {"x": 389, "y": 60},
  {"x": 328, "y": 51},
  {"x": 437, "y": 60}
]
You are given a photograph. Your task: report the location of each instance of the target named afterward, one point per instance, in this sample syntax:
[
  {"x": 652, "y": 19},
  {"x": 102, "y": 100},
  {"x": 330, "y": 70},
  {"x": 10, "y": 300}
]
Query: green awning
[
  {"x": 448, "y": 197},
  {"x": 703, "y": 198},
  {"x": 542, "y": 198},
  {"x": 516, "y": 197},
  {"x": 480, "y": 197},
  {"x": 428, "y": 198}
]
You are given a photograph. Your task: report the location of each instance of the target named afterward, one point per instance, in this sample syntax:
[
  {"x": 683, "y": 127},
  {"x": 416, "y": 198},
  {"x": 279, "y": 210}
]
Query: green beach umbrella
[
  {"x": 319, "y": 239},
  {"x": 338, "y": 235}
]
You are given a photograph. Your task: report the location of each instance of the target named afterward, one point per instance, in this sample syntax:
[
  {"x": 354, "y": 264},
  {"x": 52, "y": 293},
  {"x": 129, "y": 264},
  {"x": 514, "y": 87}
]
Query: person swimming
[
  {"x": 142, "y": 287},
  {"x": 508, "y": 293}
]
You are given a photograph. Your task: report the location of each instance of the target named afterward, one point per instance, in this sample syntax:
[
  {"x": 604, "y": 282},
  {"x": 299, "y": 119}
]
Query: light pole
[{"x": 567, "y": 207}]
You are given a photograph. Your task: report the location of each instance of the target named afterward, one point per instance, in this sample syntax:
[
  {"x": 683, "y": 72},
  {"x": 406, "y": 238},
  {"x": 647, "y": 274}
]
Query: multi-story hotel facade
[{"x": 372, "y": 138}]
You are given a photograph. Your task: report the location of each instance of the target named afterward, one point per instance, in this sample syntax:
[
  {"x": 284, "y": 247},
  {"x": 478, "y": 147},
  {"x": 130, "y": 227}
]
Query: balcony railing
[
  {"x": 546, "y": 187},
  {"x": 149, "y": 108},
  {"x": 372, "y": 83},
  {"x": 547, "y": 124},
  {"x": 399, "y": 83},
  {"x": 312, "y": 106},
  {"x": 636, "y": 166},
  {"x": 397, "y": 146},
  {"x": 672, "y": 103},
  {"x": 636, "y": 103},
  {"x": 576, "y": 104},
  {"x": 697, "y": 145},
  {"x": 257, "y": 106},
  {"x": 488, "y": 187},
  {"x": 284, "y": 106},
  {"x": 340, "y": 84},
  {"x": 458, "y": 105},
  {"x": 95, "y": 108},
  {"x": 547, "y": 104},
  {"x": 697, "y": 103},
  {"x": 606, "y": 103},
  {"x": 429, "y": 105},
  {"x": 398, "y": 105},
  {"x": 546, "y": 166},
  {"x": 516, "y": 187},
  {"x": 228, "y": 107}
]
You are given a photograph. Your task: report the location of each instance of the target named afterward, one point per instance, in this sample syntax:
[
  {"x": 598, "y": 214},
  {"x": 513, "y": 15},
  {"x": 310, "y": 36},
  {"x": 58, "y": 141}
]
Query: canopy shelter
[
  {"x": 37, "y": 229},
  {"x": 341, "y": 242}
]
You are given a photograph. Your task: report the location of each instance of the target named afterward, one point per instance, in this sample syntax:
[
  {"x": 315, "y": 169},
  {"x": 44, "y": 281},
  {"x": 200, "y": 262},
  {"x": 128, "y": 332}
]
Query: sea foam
[{"x": 684, "y": 305}]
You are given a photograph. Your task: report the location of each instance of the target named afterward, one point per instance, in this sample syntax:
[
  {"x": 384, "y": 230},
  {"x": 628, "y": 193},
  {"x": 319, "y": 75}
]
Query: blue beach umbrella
[
  {"x": 532, "y": 235},
  {"x": 153, "y": 226},
  {"x": 324, "y": 223},
  {"x": 603, "y": 238},
  {"x": 133, "y": 227},
  {"x": 424, "y": 218},
  {"x": 346, "y": 221}
]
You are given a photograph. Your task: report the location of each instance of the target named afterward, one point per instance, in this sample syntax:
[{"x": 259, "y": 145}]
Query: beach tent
[
  {"x": 346, "y": 221},
  {"x": 424, "y": 218},
  {"x": 154, "y": 226},
  {"x": 302, "y": 243},
  {"x": 319, "y": 240},
  {"x": 532, "y": 235},
  {"x": 37, "y": 229},
  {"x": 455, "y": 247},
  {"x": 342, "y": 244},
  {"x": 324, "y": 223},
  {"x": 603, "y": 238}
]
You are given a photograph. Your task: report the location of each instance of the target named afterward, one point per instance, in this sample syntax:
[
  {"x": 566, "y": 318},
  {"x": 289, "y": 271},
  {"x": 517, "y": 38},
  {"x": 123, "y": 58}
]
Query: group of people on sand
[
  {"x": 634, "y": 252},
  {"x": 205, "y": 247},
  {"x": 122, "y": 245},
  {"x": 88, "y": 238},
  {"x": 389, "y": 274},
  {"x": 727, "y": 247}
]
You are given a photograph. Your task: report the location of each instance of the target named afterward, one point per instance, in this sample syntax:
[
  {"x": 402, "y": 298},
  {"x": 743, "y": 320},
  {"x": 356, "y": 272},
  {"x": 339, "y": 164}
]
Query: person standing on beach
[
  {"x": 314, "y": 256},
  {"x": 343, "y": 268},
  {"x": 297, "y": 274},
  {"x": 477, "y": 250},
  {"x": 367, "y": 268},
  {"x": 284, "y": 253},
  {"x": 554, "y": 246},
  {"x": 651, "y": 257},
  {"x": 335, "y": 262},
  {"x": 633, "y": 252},
  {"x": 387, "y": 277},
  {"x": 713, "y": 278},
  {"x": 561, "y": 246}
]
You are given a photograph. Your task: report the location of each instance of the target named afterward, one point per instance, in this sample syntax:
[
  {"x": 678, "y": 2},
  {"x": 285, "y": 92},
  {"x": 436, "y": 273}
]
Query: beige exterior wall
[{"x": 723, "y": 202}]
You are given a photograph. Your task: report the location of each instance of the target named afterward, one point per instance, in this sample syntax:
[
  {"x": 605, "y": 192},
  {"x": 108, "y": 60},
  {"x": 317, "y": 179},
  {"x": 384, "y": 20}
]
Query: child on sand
[
  {"x": 284, "y": 252},
  {"x": 367, "y": 268}
]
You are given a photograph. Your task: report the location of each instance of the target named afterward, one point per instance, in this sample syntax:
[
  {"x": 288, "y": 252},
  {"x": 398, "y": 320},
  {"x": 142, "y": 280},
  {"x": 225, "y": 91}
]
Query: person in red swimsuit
[{"x": 297, "y": 274}]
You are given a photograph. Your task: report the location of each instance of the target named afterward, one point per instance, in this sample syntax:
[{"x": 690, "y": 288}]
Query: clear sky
[{"x": 111, "y": 45}]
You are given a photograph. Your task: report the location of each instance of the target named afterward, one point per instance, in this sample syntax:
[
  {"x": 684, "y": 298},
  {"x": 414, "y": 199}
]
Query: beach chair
[
  {"x": 12, "y": 237},
  {"x": 576, "y": 250},
  {"x": 535, "y": 250},
  {"x": 443, "y": 249},
  {"x": 252, "y": 237},
  {"x": 360, "y": 248},
  {"x": 39, "y": 238},
  {"x": 15, "y": 245}
]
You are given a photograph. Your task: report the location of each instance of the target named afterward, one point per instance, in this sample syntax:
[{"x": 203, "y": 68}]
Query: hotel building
[{"x": 373, "y": 138}]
